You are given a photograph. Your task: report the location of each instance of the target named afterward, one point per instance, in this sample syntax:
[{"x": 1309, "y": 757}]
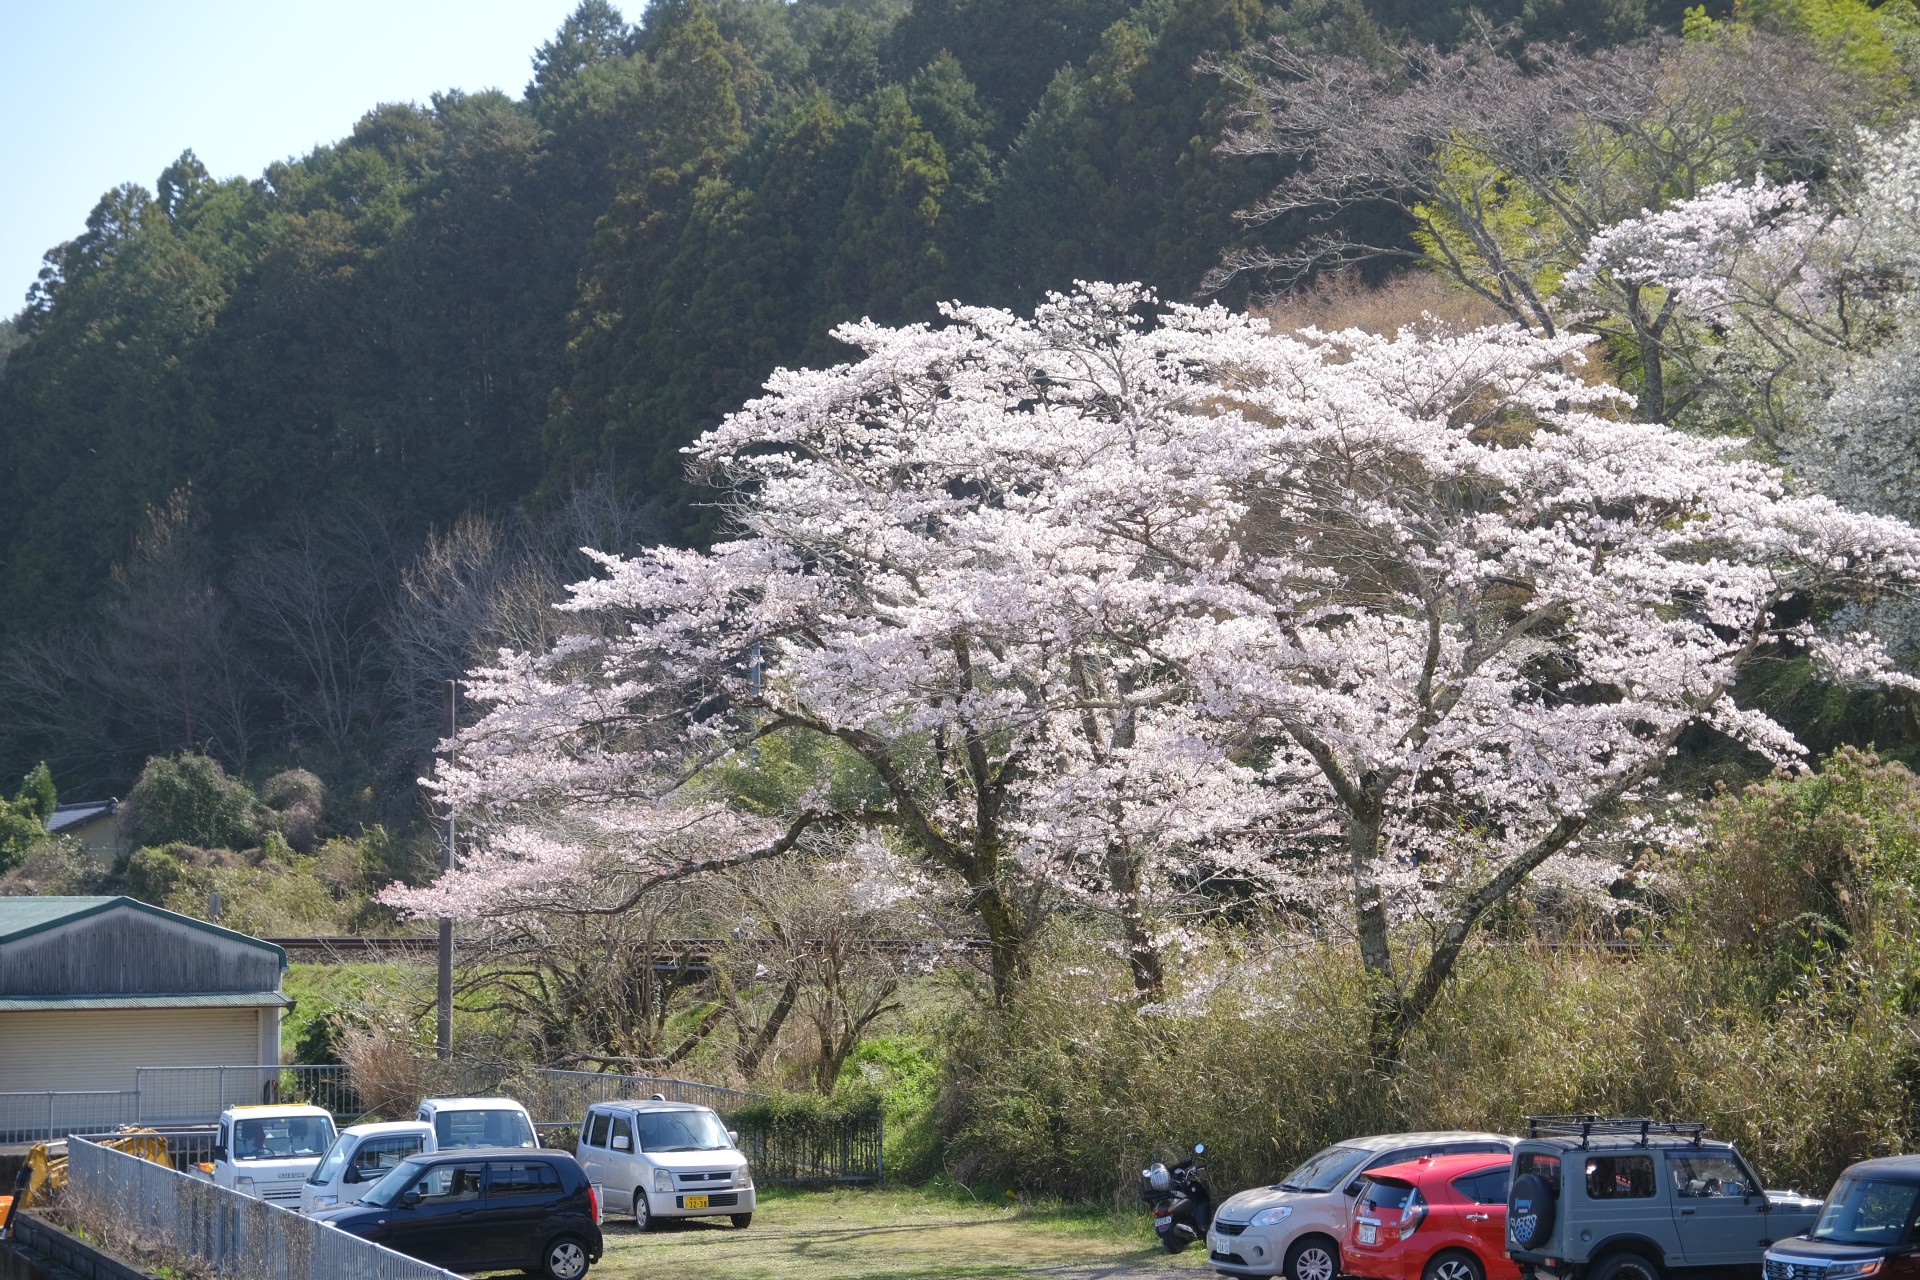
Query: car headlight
[
  {"x": 244, "y": 1185},
  {"x": 1855, "y": 1270},
  {"x": 742, "y": 1177},
  {"x": 663, "y": 1181},
  {"x": 325, "y": 1202},
  {"x": 1272, "y": 1217}
]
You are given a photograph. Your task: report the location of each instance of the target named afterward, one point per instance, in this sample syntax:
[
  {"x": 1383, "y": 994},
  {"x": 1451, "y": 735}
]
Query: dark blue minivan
[{"x": 483, "y": 1209}]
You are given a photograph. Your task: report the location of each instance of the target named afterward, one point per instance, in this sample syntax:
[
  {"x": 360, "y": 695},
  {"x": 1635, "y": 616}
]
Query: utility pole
[{"x": 444, "y": 1044}]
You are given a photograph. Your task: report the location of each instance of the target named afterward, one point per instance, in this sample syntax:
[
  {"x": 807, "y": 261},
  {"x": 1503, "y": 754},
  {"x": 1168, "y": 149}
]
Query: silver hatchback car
[{"x": 1294, "y": 1227}]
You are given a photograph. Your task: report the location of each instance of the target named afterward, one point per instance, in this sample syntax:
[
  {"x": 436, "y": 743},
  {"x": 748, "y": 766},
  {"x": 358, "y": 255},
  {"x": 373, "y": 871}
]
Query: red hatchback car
[{"x": 1440, "y": 1218}]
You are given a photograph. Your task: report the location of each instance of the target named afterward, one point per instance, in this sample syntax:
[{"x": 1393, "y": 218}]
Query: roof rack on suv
[{"x": 1590, "y": 1126}]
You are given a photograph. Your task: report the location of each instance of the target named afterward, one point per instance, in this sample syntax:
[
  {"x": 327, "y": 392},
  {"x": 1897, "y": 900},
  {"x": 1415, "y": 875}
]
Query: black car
[
  {"x": 1865, "y": 1229},
  {"x": 483, "y": 1209}
]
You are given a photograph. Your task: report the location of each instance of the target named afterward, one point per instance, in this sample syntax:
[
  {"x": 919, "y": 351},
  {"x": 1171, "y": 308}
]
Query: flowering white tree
[
  {"x": 1100, "y": 601},
  {"x": 1795, "y": 296}
]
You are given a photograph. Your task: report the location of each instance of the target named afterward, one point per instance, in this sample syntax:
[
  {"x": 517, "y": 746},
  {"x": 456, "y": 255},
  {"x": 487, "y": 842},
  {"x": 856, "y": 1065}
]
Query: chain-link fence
[{"x": 132, "y": 1202}]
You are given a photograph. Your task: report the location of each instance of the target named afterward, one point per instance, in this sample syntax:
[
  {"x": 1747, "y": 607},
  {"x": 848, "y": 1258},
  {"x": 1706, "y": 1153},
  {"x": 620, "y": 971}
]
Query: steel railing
[
  {"x": 127, "y": 1200},
  {"x": 38, "y": 1116},
  {"x": 197, "y": 1095}
]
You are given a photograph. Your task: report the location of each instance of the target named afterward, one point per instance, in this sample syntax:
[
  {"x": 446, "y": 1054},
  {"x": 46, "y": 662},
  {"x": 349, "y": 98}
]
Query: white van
[
  {"x": 665, "y": 1160},
  {"x": 361, "y": 1156},
  {"x": 478, "y": 1122},
  {"x": 268, "y": 1151}
]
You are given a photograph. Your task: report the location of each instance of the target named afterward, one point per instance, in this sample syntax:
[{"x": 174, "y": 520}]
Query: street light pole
[{"x": 444, "y": 1043}]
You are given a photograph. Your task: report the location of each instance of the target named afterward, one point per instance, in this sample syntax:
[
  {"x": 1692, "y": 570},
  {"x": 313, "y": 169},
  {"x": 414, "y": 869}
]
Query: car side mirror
[
  {"x": 733, "y": 1136},
  {"x": 1350, "y": 1190},
  {"x": 219, "y": 1153},
  {"x": 408, "y": 1199},
  {"x": 351, "y": 1175},
  {"x": 622, "y": 1142}
]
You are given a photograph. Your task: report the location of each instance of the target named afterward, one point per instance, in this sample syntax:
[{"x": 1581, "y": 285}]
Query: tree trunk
[
  {"x": 1371, "y": 928},
  {"x": 1143, "y": 956},
  {"x": 1006, "y": 940}
]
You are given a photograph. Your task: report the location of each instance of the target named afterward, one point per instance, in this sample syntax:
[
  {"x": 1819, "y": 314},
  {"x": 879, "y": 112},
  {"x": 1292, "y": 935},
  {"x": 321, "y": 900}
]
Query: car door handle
[
  {"x": 1477, "y": 1217},
  {"x": 1686, "y": 1213}
]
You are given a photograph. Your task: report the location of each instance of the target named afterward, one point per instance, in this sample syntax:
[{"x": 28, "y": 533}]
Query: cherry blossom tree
[
  {"x": 1806, "y": 299},
  {"x": 1504, "y": 162},
  {"x": 1092, "y": 602}
]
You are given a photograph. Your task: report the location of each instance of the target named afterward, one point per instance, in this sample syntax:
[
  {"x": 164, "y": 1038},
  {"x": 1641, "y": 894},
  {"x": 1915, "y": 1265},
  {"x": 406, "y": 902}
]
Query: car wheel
[
  {"x": 743, "y": 1220},
  {"x": 1314, "y": 1258},
  {"x": 565, "y": 1259},
  {"x": 1454, "y": 1264},
  {"x": 1627, "y": 1266},
  {"x": 642, "y": 1216}
]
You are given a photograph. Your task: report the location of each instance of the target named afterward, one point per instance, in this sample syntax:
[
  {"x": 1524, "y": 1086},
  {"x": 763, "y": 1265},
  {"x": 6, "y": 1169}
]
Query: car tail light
[
  {"x": 1413, "y": 1215},
  {"x": 593, "y": 1202}
]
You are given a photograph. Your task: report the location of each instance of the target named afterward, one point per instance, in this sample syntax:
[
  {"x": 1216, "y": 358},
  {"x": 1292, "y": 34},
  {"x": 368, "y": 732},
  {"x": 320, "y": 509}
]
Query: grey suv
[{"x": 1595, "y": 1198}]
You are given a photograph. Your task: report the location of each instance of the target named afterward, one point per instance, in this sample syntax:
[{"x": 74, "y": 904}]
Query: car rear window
[
  {"x": 487, "y": 1127},
  {"x": 1383, "y": 1197},
  {"x": 1541, "y": 1165}
]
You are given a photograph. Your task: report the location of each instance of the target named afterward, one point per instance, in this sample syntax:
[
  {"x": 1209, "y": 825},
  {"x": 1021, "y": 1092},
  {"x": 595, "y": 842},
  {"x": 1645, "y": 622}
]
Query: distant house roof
[
  {"x": 67, "y": 816},
  {"x": 21, "y": 916}
]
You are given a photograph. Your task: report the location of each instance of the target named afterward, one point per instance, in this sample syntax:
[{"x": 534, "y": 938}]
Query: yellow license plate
[{"x": 696, "y": 1202}]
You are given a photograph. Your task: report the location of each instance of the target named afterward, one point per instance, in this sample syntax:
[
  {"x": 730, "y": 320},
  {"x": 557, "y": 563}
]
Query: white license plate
[
  {"x": 1369, "y": 1233},
  {"x": 696, "y": 1202}
]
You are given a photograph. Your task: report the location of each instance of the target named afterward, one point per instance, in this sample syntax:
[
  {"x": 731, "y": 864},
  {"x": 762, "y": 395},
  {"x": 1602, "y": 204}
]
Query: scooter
[{"x": 1181, "y": 1199}]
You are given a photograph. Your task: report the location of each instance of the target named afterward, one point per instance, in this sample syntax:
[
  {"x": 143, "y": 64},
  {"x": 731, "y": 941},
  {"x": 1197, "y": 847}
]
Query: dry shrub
[
  {"x": 105, "y": 1226},
  {"x": 388, "y": 1075},
  {"x": 1343, "y": 300}
]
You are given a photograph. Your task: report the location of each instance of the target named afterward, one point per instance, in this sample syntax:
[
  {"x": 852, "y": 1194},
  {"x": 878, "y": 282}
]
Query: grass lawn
[{"x": 894, "y": 1235}]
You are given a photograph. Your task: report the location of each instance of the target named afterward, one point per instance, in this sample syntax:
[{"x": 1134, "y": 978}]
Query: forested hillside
[{"x": 284, "y": 453}]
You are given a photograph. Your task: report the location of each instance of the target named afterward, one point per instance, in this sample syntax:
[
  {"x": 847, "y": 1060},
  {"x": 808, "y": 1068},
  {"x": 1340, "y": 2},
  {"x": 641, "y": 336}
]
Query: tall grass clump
[{"x": 1777, "y": 999}]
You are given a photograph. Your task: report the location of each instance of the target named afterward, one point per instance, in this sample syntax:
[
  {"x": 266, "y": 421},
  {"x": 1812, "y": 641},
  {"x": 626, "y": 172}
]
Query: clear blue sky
[{"x": 96, "y": 94}]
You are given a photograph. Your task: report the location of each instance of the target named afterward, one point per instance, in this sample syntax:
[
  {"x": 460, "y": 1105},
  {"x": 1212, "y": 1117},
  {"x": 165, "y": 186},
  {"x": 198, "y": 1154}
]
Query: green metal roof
[
  {"x": 206, "y": 1000},
  {"x": 20, "y": 916}
]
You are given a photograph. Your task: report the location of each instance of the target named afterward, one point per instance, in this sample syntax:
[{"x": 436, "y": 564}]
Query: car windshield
[
  {"x": 682, "y": 1131},
  {"x": 281, "y": 1138},
  {"x": 1323, "y": 1172},
  {"x": 329, "y": 1169},
  {"x": 383, "y": 1193},
  {"x": 1867, "y": 1211},
  {"x": 491, "y": 1128}
]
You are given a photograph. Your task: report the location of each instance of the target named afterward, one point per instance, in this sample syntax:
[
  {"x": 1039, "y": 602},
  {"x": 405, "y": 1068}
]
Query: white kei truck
[{"x": 268, "y": 1151}]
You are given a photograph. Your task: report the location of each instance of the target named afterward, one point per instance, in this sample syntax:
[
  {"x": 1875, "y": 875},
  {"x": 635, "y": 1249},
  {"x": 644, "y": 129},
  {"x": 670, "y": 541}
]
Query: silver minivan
[{"x": 658, "y": 1159}]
